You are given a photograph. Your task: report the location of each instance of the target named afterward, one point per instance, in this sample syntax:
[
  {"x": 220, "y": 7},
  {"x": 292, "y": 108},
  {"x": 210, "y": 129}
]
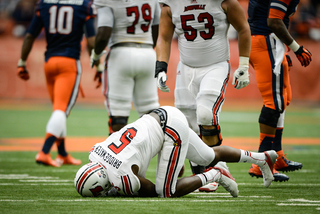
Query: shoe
[
  {"x": 266, "y": 167},
  {"x": 210, "y": 187},
  {"x": 227, "y": 181},
  {"x": 283, "y": 164},
  {"x": 255, "y": 171},
  {"x": 67, "y": 160},
  {"x": 45, "y": 159}
]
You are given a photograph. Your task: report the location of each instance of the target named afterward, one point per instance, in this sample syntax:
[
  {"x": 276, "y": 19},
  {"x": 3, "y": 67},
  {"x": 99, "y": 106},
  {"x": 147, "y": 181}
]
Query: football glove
[
  {"x": 22, "y": 71},
  {"x": 98, "y": 75},
  {"x": 95, "y": 57},
  {"x": 161, "y": 75},
  {"x": 304, "y": 56},
  {"x": 241, "y": 75}
]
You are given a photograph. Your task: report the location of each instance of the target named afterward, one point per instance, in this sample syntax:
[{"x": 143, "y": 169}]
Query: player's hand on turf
[
  {"x": 241, "y": 77},
  {"x": 95, "y": 57},
  {"x": 98, "y": 75},
  {"x": 161, "y": 75},
  {"x": 304, "y": 56},
  {"x": 22, "y": 71}
]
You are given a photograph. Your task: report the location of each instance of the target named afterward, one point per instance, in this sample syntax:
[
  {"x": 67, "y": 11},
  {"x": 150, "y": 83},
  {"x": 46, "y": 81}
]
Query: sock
[
  {"x": 251, "y": 157},
  {"x": 266, "y": 141},
  {"x": 209, "y": 176},
  {"x": 49, "y": 141},
  {"x": 195, "y": 168},
  {"x": 277, "y": 140},
  {"x": 61, "y": 147}
]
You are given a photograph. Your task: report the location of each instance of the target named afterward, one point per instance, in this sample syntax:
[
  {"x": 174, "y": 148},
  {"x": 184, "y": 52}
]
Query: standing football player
[
  {"x": 269, "y": 21},
  {"x": 204, "y": 68},
  {"x": 64, "y": 23},
  {"x": 122, "y": 160},
  {"x": 130, "y": 30}
]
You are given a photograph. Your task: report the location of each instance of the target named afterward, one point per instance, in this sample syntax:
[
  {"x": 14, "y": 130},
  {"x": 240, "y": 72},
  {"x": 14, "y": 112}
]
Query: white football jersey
[
  {"x": 135, "y": 144},
  {"x": 131, "y": 20},
  {"x": 201, "y": 27}
]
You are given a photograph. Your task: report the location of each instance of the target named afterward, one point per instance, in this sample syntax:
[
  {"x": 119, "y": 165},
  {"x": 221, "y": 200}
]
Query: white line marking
[{"x": 293, "y": 204}]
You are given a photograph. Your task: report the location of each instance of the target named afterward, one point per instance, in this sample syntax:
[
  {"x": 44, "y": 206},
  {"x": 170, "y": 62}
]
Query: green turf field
[{"x": 26, "y": 187}]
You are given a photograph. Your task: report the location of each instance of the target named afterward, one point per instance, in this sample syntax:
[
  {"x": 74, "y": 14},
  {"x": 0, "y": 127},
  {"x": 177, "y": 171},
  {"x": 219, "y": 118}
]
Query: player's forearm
[
  {"x": 244, "y": 43},
  {"x": 27, "y": 46},
  {"x": 280, "y": 30},
  {"x": 147, "y": 188},
  {"x": 163, "y": 50},
  {"x": 102, "y": 39}
]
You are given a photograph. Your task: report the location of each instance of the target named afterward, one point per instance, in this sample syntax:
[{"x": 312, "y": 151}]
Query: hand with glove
[
  {"x": 95, "y": 57},
  {"x": 241, "y": 75},
  {"x": 98, "y": 75},
  {"x": 303, "y": 54},
  {"x": 22, "y": 71},
  {"x": 161, "y": 75}
]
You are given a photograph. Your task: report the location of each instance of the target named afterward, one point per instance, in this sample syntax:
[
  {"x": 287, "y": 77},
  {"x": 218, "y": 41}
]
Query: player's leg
[
  {"x": 66, "y": 88},
  {"x": 173, "y": 152},
  {"x": 145, "y": 91},
  {"x": 273, "y": 91},
  {"x": 56, "y": 126},
  {"x": 201, "y": 154},
  {"x": 185, "y": 101},
  {"x": 282, "y": 163},
  {"x": 118, "y": 86},
  {"x": 210, "y": 100}
]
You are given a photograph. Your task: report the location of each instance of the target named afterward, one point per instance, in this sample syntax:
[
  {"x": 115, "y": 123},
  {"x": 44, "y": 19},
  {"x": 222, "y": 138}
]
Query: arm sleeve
[
  {"x": 36, "y": 25},
  {"x": 156, "y": 16},
  {"x": 278, "y": 9},
  {"x": 90, "y": 28},
  {"x": 105, "y": 17}
]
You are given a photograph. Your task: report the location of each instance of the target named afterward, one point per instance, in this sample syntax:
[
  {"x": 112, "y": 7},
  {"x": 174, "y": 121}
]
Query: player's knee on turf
[
  {"x": 269, "y": 117},
  {"x": 116, "y": 123}
]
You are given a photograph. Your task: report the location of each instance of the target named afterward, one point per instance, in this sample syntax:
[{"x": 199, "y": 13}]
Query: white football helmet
[{"x": 91, "y": 180}]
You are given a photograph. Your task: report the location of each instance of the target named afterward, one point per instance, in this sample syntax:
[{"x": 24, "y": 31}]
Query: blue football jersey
[
  {"x": 258, "y": 12},
  {"x": 64, "y": 23}
]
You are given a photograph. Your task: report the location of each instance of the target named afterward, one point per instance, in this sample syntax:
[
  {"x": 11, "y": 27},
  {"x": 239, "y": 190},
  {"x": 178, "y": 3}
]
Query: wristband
[
  {"x": 21, "y": 63},
  {"x": 100, "y": 68},
  {"x": 94, "y": 55},
  {"x": 243, "y": 61},
  {"x": 294, "y": 46}
]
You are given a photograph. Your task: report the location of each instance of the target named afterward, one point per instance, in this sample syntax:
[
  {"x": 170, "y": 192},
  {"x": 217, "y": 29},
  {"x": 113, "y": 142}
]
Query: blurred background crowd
[{"x": 15, "y": 16}]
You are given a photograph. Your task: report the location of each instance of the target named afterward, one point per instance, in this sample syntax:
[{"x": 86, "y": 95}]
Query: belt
[
  {"x": 132, "y": 44},
  {"x": 163, "y": 117}
]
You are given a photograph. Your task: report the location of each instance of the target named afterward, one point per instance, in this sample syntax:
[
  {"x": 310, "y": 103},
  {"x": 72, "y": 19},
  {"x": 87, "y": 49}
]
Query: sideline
[{"x": 84, "y": 144}]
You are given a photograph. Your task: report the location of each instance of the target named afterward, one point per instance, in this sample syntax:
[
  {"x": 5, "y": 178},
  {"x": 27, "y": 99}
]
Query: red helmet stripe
[{"x": 86, "y": 174}]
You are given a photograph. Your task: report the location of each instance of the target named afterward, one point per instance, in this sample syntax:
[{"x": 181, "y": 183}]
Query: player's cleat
[
  {"x": 67, "y": 160},
  {"x": 283, "y": 164},
  {"x": 267, "y": 167},
  {"x": 227, "y": 181},
  {"x": 210, "y": 187},
  {"x": 45, "y": 159},
  {"x": 255, "y": 171}
]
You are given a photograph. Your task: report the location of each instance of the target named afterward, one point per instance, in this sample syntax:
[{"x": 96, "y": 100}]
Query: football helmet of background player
[{"x": 91, "y": 180}]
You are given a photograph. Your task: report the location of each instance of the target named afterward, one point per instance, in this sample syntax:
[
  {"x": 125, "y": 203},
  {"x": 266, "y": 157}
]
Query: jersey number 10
[{"x": 60, "y": 20}]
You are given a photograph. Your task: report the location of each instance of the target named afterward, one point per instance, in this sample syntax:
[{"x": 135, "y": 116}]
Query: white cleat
[
  {"x": 227, "y": 181},
  {"x": 210, "y": 187},
  {"x": 266, "y": 167}
]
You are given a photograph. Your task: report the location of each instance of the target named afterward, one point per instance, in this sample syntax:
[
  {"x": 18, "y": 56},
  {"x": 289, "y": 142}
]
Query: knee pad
[
  {"x": 204, "y": 115},
  {"x": 116, "y": 121},
  {"x": 212, "y": 132},
  {"x": 269, "y": 117}
]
